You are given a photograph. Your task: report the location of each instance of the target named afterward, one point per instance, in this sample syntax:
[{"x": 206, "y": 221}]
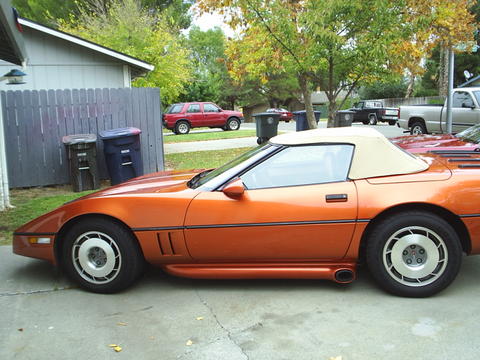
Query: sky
[{"x": 209, "y": 21}]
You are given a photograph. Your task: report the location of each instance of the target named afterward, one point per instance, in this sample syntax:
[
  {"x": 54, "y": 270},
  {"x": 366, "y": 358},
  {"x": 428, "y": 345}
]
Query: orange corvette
[{"x": 305, "y": 205}]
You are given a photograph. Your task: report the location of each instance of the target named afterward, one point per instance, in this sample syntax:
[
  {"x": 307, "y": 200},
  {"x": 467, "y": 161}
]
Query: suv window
[
  {"x": 210, "y": 108},
  {"x": 175, "y": 109},
  {"x": 462, "y": 99},
  {"x": 193, "y": 108},
  {"x": 301, "y": 165}
]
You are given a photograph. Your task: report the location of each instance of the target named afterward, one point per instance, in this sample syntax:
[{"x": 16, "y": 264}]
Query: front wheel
[
  {"x": 233, "y": 124},
  {"x": 414, "y": 254},
  {"x": 102, "y": 256}
]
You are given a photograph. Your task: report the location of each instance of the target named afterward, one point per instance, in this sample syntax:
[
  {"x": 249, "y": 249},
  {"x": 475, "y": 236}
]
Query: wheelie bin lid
[
  {"x": 79, "y": 139},
  {"x": 120, "y": 132},
  {"x": 266, "y": 114},
  {"x": 305, "y": 111}
]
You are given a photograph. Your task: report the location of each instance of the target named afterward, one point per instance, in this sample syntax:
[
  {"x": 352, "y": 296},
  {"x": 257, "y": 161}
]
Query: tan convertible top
[{"x": 374, "y": 154}]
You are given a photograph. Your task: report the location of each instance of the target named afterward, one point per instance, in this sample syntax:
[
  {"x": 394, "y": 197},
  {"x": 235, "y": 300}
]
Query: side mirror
[{"x": 234, "y": 188}]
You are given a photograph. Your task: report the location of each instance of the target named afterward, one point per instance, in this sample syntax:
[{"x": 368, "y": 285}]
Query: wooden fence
[
  {"x": 396, "y": 102},
  {"x": 35, "y": 122}
]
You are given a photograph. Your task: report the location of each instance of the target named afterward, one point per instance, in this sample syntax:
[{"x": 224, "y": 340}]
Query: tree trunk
[
  {"x": 332, "y": 109},
  {"x": 411, "y": 83},
  {"x": 307, "y": 98},
  {"x": 443, "y": 72}
]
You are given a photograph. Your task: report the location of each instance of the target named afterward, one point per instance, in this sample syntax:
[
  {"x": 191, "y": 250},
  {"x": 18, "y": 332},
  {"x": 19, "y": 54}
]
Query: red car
[
  {"x": 285, "y": 115},
  {"x": 180, "y": 118},
  {"x": 468, "y": 139}
]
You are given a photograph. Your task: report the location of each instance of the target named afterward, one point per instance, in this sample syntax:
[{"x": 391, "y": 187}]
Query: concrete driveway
[{"x": 44, "y": 317}]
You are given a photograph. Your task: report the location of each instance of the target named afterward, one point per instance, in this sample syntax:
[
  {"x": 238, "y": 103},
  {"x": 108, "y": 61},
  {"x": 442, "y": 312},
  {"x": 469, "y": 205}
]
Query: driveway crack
[
  {"x": 229, "y": 334},
  {"x": 42, "y": 291}
]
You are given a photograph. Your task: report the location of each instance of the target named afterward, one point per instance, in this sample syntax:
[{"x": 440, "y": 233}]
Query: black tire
[
  {"x": 233, "y": 124},
  {"x": 102, "y": 256},
  {"x": 366, "y": 122},
  {"x": 418, "y": 128},
  {"x": 392, "y": 122},
  {"x": 414, "y": 254},
  {"x": 182, "y": 127},
  {"x": 372, "y": 119}
]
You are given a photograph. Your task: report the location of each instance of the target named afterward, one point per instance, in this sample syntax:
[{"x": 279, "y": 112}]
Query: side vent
[{"x": 165, "y": 243}]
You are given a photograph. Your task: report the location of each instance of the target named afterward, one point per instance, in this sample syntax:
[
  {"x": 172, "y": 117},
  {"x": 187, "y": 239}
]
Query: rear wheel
[
  {"x": 418, "y": 128},
  {"x": 182, "y": 128},
  {"x": 415, "y": 254},
  {"x": 233, "y": 124},
  {"x": 102, "y": 256},
  {"x": 392, "y": 122}
]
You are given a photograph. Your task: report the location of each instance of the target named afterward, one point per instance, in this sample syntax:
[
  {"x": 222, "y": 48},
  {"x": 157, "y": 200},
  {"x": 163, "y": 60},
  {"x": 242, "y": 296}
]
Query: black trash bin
[
  {"x": 300, "y": 118},
  {"x": 82, "y": 157},
  {"x": 122, "y": 153},
  {"x": 344, "y": 118},
  {"x": 267, "y": 126}
]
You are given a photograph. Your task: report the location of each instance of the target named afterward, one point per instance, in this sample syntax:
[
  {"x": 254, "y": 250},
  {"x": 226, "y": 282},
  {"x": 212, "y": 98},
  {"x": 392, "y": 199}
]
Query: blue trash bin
[
  {"x": 300, "y": 118},
  {"x": 122, "y": 153}
]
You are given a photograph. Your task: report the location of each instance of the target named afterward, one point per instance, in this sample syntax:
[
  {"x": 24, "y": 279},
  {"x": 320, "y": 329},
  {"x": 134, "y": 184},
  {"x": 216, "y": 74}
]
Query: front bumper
[{"x": 24, "y": 244}]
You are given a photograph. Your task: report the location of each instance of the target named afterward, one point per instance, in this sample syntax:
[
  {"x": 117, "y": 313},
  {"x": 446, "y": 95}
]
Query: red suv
[{"x": 183, "y": 116}]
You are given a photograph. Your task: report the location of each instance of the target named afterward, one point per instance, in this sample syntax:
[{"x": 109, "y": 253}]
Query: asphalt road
[
  {"x": 43, "y": 316},
  {"x": 388, "y": 131}
]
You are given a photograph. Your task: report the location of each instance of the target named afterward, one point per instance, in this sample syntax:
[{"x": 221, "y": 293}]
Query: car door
[
  {"x": 213, "y": 115},
  {"x": 194, "y": 115},
  {"x": 298, "y": 205},
  {"x": 464, "y": 111}
]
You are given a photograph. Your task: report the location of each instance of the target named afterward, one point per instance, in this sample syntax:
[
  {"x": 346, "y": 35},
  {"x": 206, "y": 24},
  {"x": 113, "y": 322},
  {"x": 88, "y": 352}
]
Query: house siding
[{"x": 55, "y": 63}]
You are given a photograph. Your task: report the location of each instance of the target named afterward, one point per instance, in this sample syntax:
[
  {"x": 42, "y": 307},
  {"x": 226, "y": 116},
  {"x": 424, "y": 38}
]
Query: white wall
[{"x": 55, "y": 63}]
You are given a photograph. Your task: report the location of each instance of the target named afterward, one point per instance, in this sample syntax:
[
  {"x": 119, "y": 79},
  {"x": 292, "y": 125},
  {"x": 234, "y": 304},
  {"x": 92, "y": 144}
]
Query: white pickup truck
[{"x": 427, "y": 119}]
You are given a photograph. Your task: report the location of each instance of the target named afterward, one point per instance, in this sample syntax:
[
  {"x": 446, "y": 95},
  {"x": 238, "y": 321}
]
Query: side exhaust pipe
[{"x": 344, "y": 276}]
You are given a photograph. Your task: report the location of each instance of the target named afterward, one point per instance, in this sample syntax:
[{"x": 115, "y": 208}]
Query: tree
[
  {"x": 395, "y": 88},
  {"x": 129, "y": 28},
  {"x": 431, "y": 23},
  {"x": 334, "y": 44},
  {"x": 49, "y": 12}
]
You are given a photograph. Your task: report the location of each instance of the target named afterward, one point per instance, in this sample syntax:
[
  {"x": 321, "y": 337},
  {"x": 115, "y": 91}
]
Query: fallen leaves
[
  {"x": 189, "y": 343},
  {"x": 199, "y": 318},
  {"x": 115, "y": 347}
]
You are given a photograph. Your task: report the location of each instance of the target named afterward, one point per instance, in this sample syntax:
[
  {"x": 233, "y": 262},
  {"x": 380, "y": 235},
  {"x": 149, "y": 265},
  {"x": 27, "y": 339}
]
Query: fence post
[{"x": 4, "y": 191}]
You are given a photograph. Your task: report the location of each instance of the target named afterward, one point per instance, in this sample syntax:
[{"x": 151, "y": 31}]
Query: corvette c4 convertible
[{"x": 310, "y": 205}]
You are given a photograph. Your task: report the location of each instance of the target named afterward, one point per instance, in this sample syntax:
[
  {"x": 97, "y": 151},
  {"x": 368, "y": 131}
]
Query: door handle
[{"x": 336, "y": 197}]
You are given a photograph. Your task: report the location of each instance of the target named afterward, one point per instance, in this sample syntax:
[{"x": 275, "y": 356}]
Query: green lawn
[
  {"x": 202, "y": 159},
  {"x": 214, "y": 135},
  {"x": 33, "y": 202}
]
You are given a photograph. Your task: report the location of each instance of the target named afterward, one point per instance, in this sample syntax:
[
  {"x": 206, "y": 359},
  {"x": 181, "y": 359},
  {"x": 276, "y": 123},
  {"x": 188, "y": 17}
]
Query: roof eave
[{"x": 134, "y": 62}]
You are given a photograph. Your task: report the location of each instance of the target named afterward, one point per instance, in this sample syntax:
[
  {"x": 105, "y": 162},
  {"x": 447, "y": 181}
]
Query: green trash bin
[
  {"x": 344, "y": 118},
  {"x": 267, "y": 126},
  {"x": 82, "y": 157}
]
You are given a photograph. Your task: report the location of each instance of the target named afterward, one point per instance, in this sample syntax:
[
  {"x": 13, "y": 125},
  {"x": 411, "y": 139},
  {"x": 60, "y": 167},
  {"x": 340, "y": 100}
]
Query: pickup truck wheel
[
  {"x": 418, "y": 128},
  {"x": 373, "y": 119},
  {"x": 366, "y": 122},
  {"x": 182, "y": 128},
  {"x": 233, "y": 124},
  {"x": 392, "y": 122},
  {"x": 414, "y": 253}
]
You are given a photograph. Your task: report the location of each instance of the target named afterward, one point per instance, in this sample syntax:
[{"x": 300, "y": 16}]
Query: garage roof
[{"x": 12, "y": 48}]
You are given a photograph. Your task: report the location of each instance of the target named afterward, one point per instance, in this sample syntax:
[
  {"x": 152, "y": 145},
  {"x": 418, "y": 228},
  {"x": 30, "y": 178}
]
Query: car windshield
[
  {"x": 472, "y": 134},
  {"x": 207, "y": 175}
]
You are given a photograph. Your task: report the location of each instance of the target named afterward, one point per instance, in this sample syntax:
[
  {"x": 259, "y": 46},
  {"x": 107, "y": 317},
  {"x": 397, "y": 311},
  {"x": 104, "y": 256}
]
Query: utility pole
[{"x": 451, "y": 64}]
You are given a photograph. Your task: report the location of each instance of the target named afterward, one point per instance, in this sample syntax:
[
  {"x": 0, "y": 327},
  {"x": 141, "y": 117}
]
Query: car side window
[
  {"x": 210, "y": 108},
  {"x": 193, "y": 108},
  {"x": 301, "y": 165},
  {"x": 462, "y": 99},
  {"x": 175, "y": 109}
]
